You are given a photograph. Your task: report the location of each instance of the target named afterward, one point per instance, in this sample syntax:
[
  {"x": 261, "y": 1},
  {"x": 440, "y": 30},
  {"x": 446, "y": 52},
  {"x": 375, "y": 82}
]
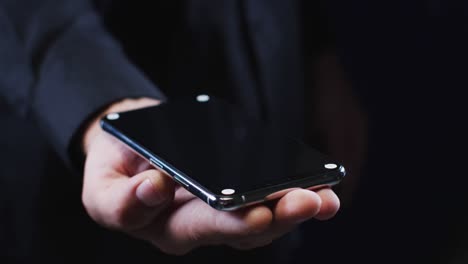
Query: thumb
[
  {"x": 152, "y": 188},
  {"x": 131, "y": 203}
]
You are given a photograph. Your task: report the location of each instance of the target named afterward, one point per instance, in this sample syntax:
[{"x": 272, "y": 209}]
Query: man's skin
[{"x": 121, "y": 191}]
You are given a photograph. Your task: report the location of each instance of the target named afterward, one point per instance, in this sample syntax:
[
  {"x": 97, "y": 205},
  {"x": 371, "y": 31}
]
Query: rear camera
[
  {"x": 331, "y": 166},
  {"x": 228, "y": 191},
  {"x": 203, "y": 98},
  {"x": 113, "y": 116}
]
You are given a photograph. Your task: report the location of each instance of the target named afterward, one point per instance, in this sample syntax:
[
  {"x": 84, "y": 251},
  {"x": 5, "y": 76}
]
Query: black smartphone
[{"x": 221, "y": 154}]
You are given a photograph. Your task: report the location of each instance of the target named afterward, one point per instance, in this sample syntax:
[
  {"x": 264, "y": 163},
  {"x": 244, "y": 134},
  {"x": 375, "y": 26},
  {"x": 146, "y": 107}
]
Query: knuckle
[
  {"x": 113, "y": 216},
  {"x": 89, "y": 206},
  {"x": 243, "y": 246},
  {"x": 193, "y": 235},
  {"x": 174, "y": 249},
  {"x": 252, "y": 244},
  {"x": 118, "y": 217},
  {"x": 85, "y": 200}
]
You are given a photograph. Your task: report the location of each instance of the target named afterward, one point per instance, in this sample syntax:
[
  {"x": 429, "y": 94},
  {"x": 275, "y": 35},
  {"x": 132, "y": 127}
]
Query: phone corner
[
  {"x": 341, "y": 171},
  {"x": 226, "y": 203}
]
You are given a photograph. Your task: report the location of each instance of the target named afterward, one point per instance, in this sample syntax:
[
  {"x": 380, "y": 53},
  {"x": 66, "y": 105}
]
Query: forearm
[{"x": 79, "y": 68}]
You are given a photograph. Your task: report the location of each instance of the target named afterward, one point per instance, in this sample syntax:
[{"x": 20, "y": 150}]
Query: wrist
[{"x": 93, "y": 128}]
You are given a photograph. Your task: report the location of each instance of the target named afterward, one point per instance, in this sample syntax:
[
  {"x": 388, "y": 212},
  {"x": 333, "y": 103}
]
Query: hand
[{"x": 122, "y": 191}]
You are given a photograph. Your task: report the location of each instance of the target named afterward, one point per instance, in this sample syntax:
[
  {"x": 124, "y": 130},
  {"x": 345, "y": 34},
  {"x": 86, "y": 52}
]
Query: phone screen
[{"x": 220, "y": 146}]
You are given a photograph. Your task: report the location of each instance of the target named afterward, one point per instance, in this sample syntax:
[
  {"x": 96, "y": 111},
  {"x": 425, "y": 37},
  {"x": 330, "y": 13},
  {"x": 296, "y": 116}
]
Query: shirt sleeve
[{"x": 76, "y": 67}]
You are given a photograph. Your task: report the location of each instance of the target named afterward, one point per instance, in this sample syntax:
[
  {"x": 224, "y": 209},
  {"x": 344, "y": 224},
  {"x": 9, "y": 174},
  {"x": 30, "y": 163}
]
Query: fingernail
[{"x": 147, "y": 193}]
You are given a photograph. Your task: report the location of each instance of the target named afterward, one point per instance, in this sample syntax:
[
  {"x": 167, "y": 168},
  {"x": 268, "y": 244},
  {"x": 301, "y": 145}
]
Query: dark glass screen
[{"x": 219, "y": 146}]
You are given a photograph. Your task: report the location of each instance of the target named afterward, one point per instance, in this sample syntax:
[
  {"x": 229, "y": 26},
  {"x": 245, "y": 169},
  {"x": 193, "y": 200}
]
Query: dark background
[{"x": 407, "y": 62}]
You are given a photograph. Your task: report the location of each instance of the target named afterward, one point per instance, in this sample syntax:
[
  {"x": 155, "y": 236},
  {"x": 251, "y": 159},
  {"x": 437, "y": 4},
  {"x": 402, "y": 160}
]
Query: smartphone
[{"x": 220, "y": 153}]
